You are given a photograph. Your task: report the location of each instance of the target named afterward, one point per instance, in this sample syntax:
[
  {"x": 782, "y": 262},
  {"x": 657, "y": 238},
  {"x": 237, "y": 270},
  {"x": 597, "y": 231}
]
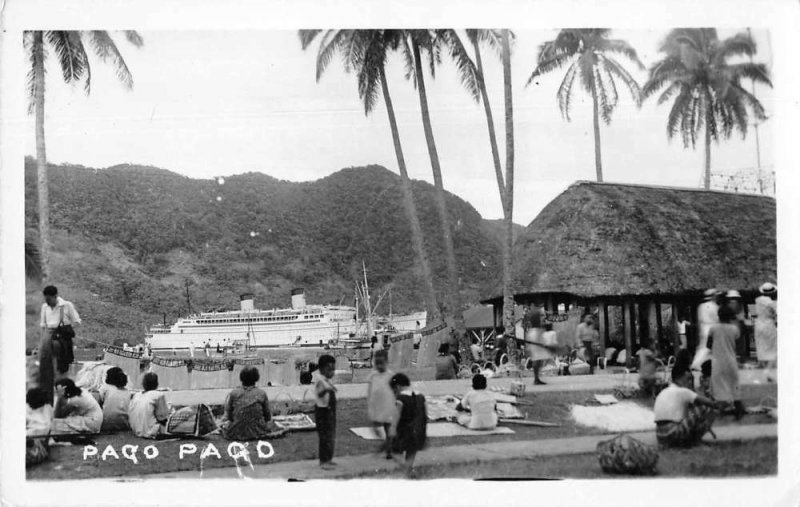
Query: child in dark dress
[{"x": 409, "y": 428}]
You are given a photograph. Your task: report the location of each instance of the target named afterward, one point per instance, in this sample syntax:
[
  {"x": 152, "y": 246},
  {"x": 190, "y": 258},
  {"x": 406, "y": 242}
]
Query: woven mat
[{"x": 435, "y": 430}]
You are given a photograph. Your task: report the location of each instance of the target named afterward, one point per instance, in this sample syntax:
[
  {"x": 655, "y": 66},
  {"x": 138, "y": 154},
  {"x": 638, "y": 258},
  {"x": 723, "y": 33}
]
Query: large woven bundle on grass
[
  {"x": 194, "y": 420},
  {"x": 624, "y": 454}
]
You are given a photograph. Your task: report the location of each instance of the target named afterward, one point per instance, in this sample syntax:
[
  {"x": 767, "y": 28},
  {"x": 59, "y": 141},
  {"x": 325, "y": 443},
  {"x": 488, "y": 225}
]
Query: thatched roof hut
[
  {"x": 624, "y": 240},
  {"x": 616, "y": 242}
]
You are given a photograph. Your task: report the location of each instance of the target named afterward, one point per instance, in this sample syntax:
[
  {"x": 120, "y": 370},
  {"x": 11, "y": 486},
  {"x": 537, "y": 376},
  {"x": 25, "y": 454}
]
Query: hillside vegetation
[{"x": 127, "y": 238}]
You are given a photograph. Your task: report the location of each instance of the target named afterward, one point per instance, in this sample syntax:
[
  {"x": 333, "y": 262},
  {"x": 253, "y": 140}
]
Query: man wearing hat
[
  {"x": 707, "y": 316},
  {"x": 766, "y": 327}
]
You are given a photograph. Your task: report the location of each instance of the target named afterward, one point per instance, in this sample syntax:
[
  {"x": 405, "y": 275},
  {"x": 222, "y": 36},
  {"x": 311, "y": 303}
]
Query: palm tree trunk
[
  {"x": 707, "y": 173},
  {"x": 41, "y": 155},
  {"x": 598, "y": 164},
  {"x": 508, "y": 295},
  {"x": 409, "y": 206},
  {"x": 487, "y": 108},
  {"x": 452, "y": 292}
]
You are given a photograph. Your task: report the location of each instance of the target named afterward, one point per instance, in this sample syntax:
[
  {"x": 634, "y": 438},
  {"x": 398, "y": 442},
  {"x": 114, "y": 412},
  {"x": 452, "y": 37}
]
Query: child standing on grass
[
  {"x": 409, "y": 427},
  {"x": 325, "y": 409},
  {"x": 380, "y": 398}
]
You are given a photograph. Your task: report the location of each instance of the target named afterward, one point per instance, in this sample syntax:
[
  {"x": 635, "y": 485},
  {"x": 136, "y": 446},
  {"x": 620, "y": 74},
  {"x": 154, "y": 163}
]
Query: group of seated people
[{"x": 116, "y": 409}]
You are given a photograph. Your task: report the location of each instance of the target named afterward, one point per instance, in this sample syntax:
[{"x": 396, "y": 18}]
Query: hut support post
[
  {"x": 659, "y": 326},
  {"x": 603, "y": 325},
  {"x": 628, "y": 326},
  {"x": 676, "y": 346},
  {"x": 652, "y": 324}
]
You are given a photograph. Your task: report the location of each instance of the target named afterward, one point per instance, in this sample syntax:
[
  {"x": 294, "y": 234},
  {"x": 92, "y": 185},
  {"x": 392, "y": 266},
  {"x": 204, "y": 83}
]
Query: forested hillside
[{"x": 127, "y": 238}]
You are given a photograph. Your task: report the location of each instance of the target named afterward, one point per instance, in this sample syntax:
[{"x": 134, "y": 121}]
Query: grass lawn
[
  {"x": 750, "y": 458},
  {"x": 66, "y": 462}
]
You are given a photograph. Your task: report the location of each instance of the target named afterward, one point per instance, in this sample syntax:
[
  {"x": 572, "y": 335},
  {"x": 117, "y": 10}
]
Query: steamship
[{"x": 301, "y": 325}]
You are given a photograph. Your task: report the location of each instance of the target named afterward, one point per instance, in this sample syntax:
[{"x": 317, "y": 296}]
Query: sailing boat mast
[{"x": 366, "y": 301}]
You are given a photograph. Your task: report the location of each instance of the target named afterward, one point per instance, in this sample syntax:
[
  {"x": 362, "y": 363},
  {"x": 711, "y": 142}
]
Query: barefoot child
[
  {"x": 380, "y": 398},
  {"x": 409, "y": 427},
  {"x": 325, "y": 410}
]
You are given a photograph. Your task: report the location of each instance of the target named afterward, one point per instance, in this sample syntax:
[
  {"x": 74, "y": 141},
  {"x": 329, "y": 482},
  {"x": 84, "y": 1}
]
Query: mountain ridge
[{"x": 127, "y": 237}]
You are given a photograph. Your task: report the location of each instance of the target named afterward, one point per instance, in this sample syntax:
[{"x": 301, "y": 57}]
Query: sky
[{"x": 219, "y": 103}]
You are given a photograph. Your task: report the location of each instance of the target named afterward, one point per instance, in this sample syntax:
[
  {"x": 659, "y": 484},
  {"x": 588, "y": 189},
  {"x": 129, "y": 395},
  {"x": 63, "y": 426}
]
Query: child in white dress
[{"x": 380, "y": 398}]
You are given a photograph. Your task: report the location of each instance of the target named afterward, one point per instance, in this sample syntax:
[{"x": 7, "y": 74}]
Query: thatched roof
[{"x": 600, "y": 239}]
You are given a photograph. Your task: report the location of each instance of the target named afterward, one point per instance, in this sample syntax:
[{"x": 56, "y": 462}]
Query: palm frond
[
  {"x": 328, "y": 46},
  {"x": 672, "y": 89},
  {"x": 35, "y": 52},
  {"x": 678, "y": 111},
  {"x": 623, "y": 48},
  {"x": 757, "y": 72},
  {"x": 134, "y": 38},
  {"x": 105, "y": 48},
  {"x": 307, "y": 37},
  {"x": 630, "y": 82},
  {"x": 602, "y": 96},
  {"x": 408, "y": 62},
  {"x": 740, "y": 117},
  {"x": 87, "y": 84},
  {"x": 70, "y": 57},
  {"x": 710, "y": 110},
  {"x": 667, "y": 70},
  {"x": 490, "y": 38},
  {"x": 557, "y": 61},
  {"x": 467, "y": 70},
  {"x": 371, "y": 68},
  {"x": 564, "y": 93},
  {"x": 740, "y": 44},
  {"x": 609, "y": 84}
]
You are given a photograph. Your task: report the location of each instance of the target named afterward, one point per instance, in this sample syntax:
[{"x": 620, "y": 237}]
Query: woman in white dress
[
  {"x": 76, "y": 410},
  {"x": 766, "y": 327}
]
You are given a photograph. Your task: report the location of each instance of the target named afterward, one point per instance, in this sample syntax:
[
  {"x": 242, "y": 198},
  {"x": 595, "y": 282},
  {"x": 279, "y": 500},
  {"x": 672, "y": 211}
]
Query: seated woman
[
  {"x": 247, "y": 410},
  {"x": 114, "y": 399},
  {"x": 682, "y": 416},
  {"x": 481, "y": 404},
  {"x": 76, "y": 410},
  {"x": 446, "y": 366},
  {"x": 38, "y": 422},
  {"x": 148, "y": 411}
]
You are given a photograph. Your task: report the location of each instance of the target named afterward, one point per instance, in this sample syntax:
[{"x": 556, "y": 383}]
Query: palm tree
[
  {"x": 70, "y": 49},
  {"x": 365, "y": 52},
  {"x": 706, "y": 89},
  {"x": 590, "y": 51},
  {"x": 414, "y": 42},
  {"x": 508, "y": 294},
  {"x": 473, "y": 79}
]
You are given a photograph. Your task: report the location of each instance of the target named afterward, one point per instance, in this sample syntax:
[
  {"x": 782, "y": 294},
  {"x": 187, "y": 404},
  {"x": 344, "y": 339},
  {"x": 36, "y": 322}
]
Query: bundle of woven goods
[{"x": 624, "y": 454}]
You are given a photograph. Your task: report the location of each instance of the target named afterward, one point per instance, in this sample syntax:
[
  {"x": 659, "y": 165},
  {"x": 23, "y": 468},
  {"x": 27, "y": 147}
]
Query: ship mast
[
  {"x": 188, "y": 299},
  {"x": 366, "y": 301}
]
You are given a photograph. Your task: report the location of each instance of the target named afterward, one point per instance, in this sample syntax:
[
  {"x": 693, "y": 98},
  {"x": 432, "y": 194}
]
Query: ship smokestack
[
  {"x": 298, "y": 298},
  {"x": 246, "y": 302}
]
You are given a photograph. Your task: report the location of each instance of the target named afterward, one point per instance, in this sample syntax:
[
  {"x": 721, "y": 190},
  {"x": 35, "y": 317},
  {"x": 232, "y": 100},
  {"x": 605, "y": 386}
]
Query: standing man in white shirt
[{"x": 55, "y": 311}]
